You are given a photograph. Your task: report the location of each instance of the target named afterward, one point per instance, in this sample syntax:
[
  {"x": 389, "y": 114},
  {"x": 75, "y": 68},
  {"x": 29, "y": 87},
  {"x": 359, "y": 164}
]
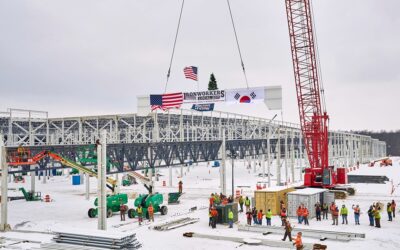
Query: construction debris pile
[{"x": 104, "y": 240}]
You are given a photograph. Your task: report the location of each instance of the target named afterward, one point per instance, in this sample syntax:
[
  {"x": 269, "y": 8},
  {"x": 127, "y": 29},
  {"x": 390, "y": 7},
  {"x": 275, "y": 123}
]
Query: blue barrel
[{"x": 76, "y": 180}]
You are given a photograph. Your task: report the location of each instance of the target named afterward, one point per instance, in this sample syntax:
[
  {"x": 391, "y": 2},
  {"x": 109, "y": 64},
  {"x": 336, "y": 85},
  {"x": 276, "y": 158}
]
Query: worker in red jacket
[
  {"x": 299, "y": 213},
  {"x": 283, "y": 215},
  {"x": 180, "y": 184},
  {"x": 214, "y": 216},
  {"x": 260, "y": 216}
]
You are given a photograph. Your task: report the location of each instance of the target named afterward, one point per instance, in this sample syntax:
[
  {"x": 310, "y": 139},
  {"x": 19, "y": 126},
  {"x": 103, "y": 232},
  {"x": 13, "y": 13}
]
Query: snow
[{"x": 68, "y": 211}]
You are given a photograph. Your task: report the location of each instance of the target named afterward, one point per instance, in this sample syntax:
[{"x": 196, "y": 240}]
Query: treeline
[{"x": 392, "y": 139}]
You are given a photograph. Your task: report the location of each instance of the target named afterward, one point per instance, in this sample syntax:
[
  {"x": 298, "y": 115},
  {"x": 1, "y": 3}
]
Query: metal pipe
[{"x": 4, "y": 187}]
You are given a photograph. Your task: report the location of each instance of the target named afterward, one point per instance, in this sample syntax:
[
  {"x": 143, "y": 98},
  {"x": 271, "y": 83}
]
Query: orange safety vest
[
  {"x": 214, "y": 213},
  {"x": 283, "y": 213},
  {"x": 150, "y": 210},
  {"x": 357, "y": 210},
  {"x": 259, "y": 215},
  {"x": 298, "y": 241},
  {"x": 305, "y": 212},
  {"x": 212, "y": 200},
  {"x": 299, "y": 212}
]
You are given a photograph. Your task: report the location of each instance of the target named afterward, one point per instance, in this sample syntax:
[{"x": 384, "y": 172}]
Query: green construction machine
[
  {"x": 87, "y": 156},
  {"x": 144, "y": 200},
  {"x": 31, "y": 196},
  {"x": 113, "y": 205}
]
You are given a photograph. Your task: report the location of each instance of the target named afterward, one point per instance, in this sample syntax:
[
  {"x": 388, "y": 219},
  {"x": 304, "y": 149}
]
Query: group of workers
[
  {"x": 217, "y": 199},
  {"x": 139, "y": 211},
  {"x": 302, "y": 214}
]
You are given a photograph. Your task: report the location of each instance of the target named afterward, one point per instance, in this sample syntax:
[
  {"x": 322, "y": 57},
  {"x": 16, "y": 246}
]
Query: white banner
[
  {"x": 250, "y": 95},
  {"x": 204, "y": 96}
]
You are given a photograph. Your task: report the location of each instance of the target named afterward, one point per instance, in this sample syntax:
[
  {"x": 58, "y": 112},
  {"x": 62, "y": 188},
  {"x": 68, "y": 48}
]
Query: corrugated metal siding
[{"x": 309, "y": 201}]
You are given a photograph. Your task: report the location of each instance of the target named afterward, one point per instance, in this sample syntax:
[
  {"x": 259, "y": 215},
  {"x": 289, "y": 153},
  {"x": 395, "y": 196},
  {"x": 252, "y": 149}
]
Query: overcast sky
[{"x": 89, "y": 57}]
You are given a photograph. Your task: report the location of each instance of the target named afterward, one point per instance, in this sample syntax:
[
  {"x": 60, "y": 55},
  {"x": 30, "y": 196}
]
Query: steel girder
[{"x": 134, "y": 156}]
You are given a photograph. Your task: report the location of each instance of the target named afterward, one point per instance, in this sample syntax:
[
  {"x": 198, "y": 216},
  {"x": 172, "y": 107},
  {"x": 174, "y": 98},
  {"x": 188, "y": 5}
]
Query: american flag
[
  {"x": 190, "y": 72},
  {"x": 166, "y": 101}
]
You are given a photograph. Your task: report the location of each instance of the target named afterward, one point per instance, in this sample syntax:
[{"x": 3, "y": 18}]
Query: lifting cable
[
  {"x": 173, "y": 49},
  {"x": 237, "y": 43}
]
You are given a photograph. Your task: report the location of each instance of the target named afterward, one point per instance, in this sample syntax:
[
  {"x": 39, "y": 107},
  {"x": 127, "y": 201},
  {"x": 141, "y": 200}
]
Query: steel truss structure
[{"x": 166, "y": 139}]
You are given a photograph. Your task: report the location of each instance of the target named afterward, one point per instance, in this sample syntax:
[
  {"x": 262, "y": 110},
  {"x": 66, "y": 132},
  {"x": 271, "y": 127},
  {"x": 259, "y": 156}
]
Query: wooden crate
[{"x": 270, "y": 199}]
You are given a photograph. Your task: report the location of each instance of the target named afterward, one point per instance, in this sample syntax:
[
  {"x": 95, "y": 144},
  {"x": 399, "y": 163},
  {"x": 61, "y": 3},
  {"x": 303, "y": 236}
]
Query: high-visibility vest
[
  {"x": 377, "y": 215},
  {"x": 298, "y": 242},
  {"x": 247, "y": 202},
  {"x": 139, "y": 210},
  {"x": 230, "y": 215},
  {"x": 259, "y": 215},
  {"x": 268, "y": 215},
  {"x": 150, "y": 209},
  {"x": 305, "y": 212},
  {"x": 344, "y": 211}
]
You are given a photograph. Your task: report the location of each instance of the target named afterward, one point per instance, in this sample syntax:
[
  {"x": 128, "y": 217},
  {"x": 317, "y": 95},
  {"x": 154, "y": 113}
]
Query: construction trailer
[
  {"x": 308, "y": 197},
  {"x": 271, "y": 198},
  {"x": 223, "y": 211}
]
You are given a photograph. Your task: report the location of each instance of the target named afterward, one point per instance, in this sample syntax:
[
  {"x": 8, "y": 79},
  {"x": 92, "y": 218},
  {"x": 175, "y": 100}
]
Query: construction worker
[
  {"x": 214, "y": 214},
  {"x": 260, "y": 216},
  {"x": 394, "y": 208},
  {"x": 299, "y": 213},
  {"x": 230, "y": 218},
  {"x": 344, "y": 212},
  {"x": 335, "y": 213},
  {"x": 150, "y": 210},
  {"x": 139, "y": 212},
  {"x": 122, "y": 209},
  {"x": 217, "y": 198},
  {"x": 356, "y": 214},
  {"x": 318, "y": 211},
  {"x": 371, "y": 215},
  {"x": 305, "y": 216},
  {"x": 283, "y": 215},
  {"x": 212, "y": 200},
  {"x": 248, "y": 217},
  {"x": 325, "y": 211},
  {"x": 288, "y": 230},
  {"x": 254, "y": 214},
  {"x": 268, "y": 217},
  {"x": 389, "y": 211},
  {"x": 377, "y": 216},
  {"x": 247, "y": 204},
  {"x": 241, "y": 202},
  {"x": 298, "y": 242},
  {"x": 281, "y": 204},
  {"x": 180, "y": 183},
  {"x": 209, "y": 218}
]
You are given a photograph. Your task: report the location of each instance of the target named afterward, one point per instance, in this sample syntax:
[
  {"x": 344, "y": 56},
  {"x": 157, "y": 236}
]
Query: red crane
[{"x": 313, "y": 120}]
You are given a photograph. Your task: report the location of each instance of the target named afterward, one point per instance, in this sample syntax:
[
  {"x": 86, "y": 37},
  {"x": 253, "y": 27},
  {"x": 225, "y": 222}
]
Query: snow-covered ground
[{"x": 69, "y": 210}]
